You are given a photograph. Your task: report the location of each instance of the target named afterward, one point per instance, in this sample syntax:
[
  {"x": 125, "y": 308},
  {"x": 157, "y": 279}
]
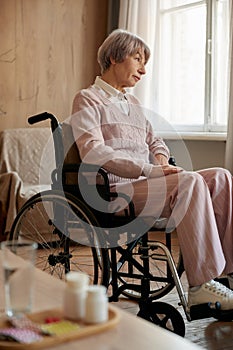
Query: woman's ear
[{"x": 112, "y": 60}]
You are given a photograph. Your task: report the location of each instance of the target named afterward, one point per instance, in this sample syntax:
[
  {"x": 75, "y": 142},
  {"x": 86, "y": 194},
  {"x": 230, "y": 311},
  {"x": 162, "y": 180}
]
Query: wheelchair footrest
[{"x": 207, "y": 310}]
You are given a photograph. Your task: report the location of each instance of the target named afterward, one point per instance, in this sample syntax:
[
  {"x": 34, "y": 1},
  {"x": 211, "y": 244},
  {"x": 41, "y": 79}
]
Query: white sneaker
[{"x": 212, "y": 292}]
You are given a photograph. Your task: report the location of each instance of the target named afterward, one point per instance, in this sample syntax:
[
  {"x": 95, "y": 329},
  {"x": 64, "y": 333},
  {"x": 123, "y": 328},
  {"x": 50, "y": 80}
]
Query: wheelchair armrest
[
  {"x": 85, "y": 168},
  {"x": 72, "y": 175},
  {"x": 102, "y": 183}
]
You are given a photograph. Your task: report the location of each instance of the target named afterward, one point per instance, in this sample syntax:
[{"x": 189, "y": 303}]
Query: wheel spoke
[{"x": 55, "y": 221}]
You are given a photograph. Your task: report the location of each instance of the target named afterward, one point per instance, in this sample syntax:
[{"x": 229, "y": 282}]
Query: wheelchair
[{"x": 134, "y": 257}]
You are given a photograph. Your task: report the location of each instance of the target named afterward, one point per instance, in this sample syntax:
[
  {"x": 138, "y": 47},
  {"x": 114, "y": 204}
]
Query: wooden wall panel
[
  {"x": 47, "y": 53},
  {"x": 7, "y": 60}
]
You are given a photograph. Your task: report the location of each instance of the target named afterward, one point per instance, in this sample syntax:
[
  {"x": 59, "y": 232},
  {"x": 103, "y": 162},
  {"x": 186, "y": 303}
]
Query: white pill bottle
[
  {"x": 96, "y": 304},
  {"x": 74, "y": 300}
]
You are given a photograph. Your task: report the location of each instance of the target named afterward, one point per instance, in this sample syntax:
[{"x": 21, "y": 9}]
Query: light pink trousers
[{"x": 199, "y": 204}]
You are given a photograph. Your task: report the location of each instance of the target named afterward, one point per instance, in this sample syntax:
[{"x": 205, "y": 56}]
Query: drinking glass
[{"x": 18, "y": 260}]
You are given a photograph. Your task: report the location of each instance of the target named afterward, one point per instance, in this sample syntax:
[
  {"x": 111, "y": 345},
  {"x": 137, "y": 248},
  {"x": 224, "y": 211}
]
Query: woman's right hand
[{"x": 164, "y": 170}]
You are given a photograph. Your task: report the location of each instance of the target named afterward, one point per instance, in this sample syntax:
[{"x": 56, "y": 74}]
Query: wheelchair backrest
[
  {"x": 71, "y": 153},
  {"x": 70, "y": 147},
  {"x": 72, "y": 159}
]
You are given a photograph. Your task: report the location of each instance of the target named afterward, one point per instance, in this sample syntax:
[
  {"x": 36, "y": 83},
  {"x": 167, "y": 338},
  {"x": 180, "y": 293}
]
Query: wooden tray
[{"x": 47, "y": 341}]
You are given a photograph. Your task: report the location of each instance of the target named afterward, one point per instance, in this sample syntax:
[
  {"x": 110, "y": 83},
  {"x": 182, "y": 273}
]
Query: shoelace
[{"x": 219, "y": 289}]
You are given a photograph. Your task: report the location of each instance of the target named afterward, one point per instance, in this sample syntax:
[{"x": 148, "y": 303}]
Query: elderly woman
[{"x": 111, "y": 130}]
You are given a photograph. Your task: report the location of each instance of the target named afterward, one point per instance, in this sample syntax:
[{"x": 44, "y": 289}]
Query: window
[{"x": 193, "y": 64}]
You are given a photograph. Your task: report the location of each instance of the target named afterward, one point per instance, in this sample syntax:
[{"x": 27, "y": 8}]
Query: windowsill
[{"x": 196, "y": 136}]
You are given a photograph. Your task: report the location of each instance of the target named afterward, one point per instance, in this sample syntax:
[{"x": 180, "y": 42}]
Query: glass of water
[{"x": 18, "y": 260}]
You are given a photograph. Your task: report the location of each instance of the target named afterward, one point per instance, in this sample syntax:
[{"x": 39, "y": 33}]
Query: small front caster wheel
[{"x": 163, "y": 315}]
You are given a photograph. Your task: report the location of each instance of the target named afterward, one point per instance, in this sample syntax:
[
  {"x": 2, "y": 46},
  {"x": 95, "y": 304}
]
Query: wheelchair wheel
[
  {"x": 165, "y": 316},
  {"x": 147, "y": 260},
  {"x": 58, "y": 222}
]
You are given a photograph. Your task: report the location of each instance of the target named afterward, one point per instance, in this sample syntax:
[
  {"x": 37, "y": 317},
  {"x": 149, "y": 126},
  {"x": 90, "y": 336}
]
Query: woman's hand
[
  {"x": 160, "y": 159},
  {"x": 163, "y": 170}
]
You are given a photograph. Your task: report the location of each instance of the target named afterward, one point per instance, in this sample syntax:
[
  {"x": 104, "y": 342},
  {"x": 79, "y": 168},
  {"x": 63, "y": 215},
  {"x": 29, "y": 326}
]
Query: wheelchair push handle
[{"x": 44, "y": 116}]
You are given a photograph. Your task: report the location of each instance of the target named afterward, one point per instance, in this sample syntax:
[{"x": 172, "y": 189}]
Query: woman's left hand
[{"x": 160, "y": 159}]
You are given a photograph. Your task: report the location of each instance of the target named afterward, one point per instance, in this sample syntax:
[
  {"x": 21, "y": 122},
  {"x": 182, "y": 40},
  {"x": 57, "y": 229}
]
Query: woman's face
[{"x": 130, "y": 71}]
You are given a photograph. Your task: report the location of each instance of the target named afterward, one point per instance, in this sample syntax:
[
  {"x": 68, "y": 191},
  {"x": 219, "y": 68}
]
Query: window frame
[{"x": 208, "y": 126}]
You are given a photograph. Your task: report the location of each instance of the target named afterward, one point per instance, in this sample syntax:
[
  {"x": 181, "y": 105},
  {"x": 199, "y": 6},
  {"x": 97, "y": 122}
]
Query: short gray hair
[{"x": 118, "y": 45}]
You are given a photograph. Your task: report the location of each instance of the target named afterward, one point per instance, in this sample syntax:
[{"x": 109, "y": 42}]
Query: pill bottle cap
[
  {"x": 96, "y": 290},
  {"x": 77, "y": 279}
]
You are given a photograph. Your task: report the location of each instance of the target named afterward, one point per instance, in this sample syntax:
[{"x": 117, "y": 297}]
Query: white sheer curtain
[
  {"x": 229, "y": 144},
  {"x": 137, "y": 16}
]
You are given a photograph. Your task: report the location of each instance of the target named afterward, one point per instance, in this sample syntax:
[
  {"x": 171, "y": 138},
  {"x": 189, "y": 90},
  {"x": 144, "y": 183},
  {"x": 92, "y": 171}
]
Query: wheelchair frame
[{"x": 160, "y": 313}]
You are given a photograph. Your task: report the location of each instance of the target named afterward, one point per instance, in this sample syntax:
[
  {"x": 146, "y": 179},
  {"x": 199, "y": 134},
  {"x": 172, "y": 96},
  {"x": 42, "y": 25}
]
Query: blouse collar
[{"x": 110, "y": 90}]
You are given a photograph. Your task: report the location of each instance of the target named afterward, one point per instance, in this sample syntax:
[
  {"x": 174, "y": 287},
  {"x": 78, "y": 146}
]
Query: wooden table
[{"x": 130, "y": 333}]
